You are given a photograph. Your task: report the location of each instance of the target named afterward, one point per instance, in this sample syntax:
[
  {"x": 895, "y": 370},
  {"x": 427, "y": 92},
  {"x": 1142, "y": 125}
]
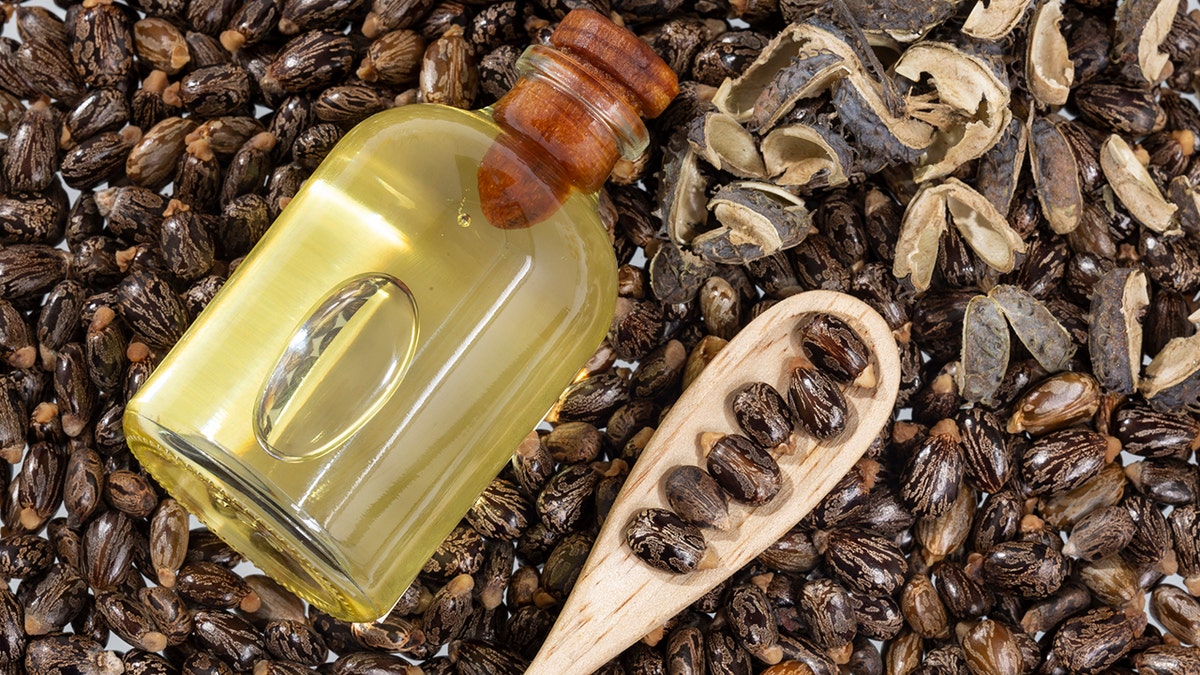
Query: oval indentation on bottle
[{"x": 340, "y": 366}]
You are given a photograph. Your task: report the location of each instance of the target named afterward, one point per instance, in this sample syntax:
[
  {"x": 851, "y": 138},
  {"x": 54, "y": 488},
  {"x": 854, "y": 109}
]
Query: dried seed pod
[
  {"x": 816, "y": 402},
  {"x": 1037, "y": 328},
  {"x": 932, "y": 476},
  {"x": 763, "y": 414},
  {"x": 501, "y": 512},
  {"x": 666, "y": 542},
  {"x": 1025, "y": 568},
  {"x": 1172, "y": 379},
  {"x": 1132, "y": 184},
  {"x": 696, "y": 497},
  {"x": 1063, "y": 460},
  {"x": 752, "y": 622},
  {"x": 229, "y": 638},
  {"x": 861, "y": 560},
  {"x": 985, "y": 350},
  {"x": 1093, "y": 641},
  {"x": 1167, "y": 481},
  {"x": 743, "y": 468},
  {"x": 31, "y": 158},
  {"x": 1099, "y": 534}
]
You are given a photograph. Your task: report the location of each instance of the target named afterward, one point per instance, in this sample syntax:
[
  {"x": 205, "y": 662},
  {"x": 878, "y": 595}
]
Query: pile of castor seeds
[{"x": 975, "y": 172}]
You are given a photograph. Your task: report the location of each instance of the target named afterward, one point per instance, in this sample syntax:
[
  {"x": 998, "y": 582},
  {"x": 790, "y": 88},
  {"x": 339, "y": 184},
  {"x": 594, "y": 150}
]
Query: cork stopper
[{"x": 573, "y": 114}]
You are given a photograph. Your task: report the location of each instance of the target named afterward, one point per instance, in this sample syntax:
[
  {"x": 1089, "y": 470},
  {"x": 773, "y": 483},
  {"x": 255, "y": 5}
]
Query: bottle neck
[
  {"x": 579, "y": 117},
  {"x": 574, "y": 112}
]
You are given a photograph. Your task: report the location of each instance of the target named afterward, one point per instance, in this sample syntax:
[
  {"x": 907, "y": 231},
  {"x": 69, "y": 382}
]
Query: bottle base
[{"x": 246, "y": 516}]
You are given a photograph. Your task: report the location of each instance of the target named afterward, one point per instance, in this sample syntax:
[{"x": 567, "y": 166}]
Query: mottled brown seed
[
  {"x": 743, "y": 468},
  {"x": 447, "y": 615},
  {"x": 817, "y": 403},
  {"x": 168, "y": 540},
  {"x": 1099, "y": 534},
  {"x": 563, "y": 565},
  {"x": 151, "y": 308},
  {"x": 861, "y": 560},
  {"x": 102, "y": 44},
  {"x": 130, "y": 492},
  {"x": 41, "y": 483},
  {"x": 295, "y": 641},
  {"x": 54, "y": 601},
  {"x": 1149, "y": 433},
  {"x": 1026, "y": 568},
  {"x": 566, "y": 499},
  {"x": 448, "y": 73},
  {"x": 151, "y": 162},
  {"x": 762, "y": 414},
  {"x": 1093, "y": 641},
  {"x": 1055, "y": 403},
  {"x": 461, "y": 552},
  {"x": 229, "y": 638},
  {"x": 108, "y": 549},
  {"x": 932, "y": 476},
  {"x": 1167, "y": 660},
  {"x": 25, "y": 556},
  {"x": 31, "y": 158},
  {"x": 1063, "y": 460},
  {"x": 1167, "y": 481},
  {"x": 696, "y": 497},
  {"x": 310, "y": 61},
  {"x": 833, "y": 346},
  {"x": 666, "y": 542},
  {"x": 214, "y": 585},
  {"x": 83, "y": 485},
  {"x": 70, "y": 654},
  {"x": 168, "y": 612},
  {"x": 501, "y": 512},
  {"x": 129, "y": 620}
]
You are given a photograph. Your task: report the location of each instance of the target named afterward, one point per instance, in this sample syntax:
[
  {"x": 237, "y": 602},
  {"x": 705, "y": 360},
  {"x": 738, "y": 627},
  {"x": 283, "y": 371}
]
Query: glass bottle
[{"x": 413, "y": 313}]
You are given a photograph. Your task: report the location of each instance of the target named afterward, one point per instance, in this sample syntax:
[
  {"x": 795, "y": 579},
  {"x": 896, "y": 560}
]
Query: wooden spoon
[{"x": 618, "y": 598}]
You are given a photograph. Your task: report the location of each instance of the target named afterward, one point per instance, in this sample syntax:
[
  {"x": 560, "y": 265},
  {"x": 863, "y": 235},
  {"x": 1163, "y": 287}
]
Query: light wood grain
[{"x": 618, "y": 598}]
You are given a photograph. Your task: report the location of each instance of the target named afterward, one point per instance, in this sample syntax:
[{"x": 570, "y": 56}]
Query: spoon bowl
[{"x": 618, "y": 598}]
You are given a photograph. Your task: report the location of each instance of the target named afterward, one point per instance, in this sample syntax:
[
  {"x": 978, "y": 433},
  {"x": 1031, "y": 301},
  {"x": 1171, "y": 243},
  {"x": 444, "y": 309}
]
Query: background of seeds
[{"x": 87, "y": 537}]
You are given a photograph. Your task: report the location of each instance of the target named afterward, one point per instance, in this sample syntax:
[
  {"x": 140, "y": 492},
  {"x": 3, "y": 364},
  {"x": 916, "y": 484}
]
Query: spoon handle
[{"x": 618, "y": 598}]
